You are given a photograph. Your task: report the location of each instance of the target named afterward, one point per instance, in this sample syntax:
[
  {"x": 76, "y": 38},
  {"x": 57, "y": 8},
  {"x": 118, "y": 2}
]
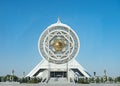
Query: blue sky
[{"x": 97, "y": 23}]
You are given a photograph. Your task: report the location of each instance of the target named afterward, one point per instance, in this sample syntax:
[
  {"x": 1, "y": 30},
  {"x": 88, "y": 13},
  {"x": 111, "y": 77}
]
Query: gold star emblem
[{"x": 58, "y": 45}]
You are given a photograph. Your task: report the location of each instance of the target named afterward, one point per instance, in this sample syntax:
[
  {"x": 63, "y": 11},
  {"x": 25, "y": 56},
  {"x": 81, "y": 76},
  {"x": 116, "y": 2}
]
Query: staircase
[{"x": 58, "y": 80}]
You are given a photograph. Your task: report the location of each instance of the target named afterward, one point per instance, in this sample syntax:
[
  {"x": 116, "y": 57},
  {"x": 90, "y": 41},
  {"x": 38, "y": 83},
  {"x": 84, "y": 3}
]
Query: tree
[
  {"x": 101, "y": 80},
  {"x": 97, "y": 80},
  {"x": 7, "y": 78},
  {"x": 15, "y": 78},
  {"x": 11, "y": 78},
  {"x": 30, "y": 80},
  {"x": 83, "y": 80},
  {"x": 34, "y": 80},
  {"x": 0, "y": 78},
  {"x": 23, "y": 80},
  {"x": 115, "y": 80},
  {"x": 110, "y": 79},
  {"x": 118, "y": 79},
  {"x": 91, "y": 80}
]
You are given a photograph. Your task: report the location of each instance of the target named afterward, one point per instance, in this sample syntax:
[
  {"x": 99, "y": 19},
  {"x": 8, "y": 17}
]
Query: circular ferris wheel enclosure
[{"x": 58, "y": 43}]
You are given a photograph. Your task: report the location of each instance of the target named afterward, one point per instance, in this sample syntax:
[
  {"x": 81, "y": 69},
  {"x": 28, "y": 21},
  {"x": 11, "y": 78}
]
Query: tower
[{"x": 58, "y": 45}]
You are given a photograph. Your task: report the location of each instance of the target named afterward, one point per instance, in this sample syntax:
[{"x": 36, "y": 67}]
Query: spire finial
[{"x": 58, "y": 20}]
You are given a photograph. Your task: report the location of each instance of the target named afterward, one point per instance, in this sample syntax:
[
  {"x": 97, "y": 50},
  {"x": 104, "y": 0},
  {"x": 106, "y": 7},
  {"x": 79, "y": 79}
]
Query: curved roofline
[{"x": 58, "y": 23}]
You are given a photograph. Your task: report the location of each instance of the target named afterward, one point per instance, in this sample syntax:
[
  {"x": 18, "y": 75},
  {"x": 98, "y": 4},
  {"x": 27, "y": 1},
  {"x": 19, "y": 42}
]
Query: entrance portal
[{"x": 58, "y": 74}]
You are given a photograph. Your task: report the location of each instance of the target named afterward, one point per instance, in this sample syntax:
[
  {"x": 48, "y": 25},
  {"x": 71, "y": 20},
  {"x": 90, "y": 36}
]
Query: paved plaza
[{"x": 44, "y": 84}]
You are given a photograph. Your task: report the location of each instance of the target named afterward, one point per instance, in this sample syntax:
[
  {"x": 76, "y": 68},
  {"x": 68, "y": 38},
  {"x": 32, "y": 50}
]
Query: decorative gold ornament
[{"x": 58, "y": 45}]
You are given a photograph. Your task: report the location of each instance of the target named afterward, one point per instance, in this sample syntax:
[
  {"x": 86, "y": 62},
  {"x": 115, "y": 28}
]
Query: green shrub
[
  {"x": 97, "y": 80},
  {"x": 118, "y": 79},
  {"x": 30, "y": 80},
  {"x": 83, "y": 80}
]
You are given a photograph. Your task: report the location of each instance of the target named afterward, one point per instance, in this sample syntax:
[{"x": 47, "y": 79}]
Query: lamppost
[
  {"x": 13, "y": 75},
  {"x": 94, "y": 76},
  {"x": 105, "y": 76},
  {"x": 23, "y": 74}
]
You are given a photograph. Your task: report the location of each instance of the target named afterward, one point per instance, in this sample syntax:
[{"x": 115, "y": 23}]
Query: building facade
[{"x": 58, "y": 45}]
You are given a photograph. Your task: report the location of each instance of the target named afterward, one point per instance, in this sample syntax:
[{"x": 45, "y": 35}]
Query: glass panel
[{"x": 58, "y": 74}]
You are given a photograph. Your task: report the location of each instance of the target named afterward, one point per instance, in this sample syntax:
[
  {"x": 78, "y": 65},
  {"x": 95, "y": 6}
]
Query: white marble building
[{"x": 58, "y": 45}]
